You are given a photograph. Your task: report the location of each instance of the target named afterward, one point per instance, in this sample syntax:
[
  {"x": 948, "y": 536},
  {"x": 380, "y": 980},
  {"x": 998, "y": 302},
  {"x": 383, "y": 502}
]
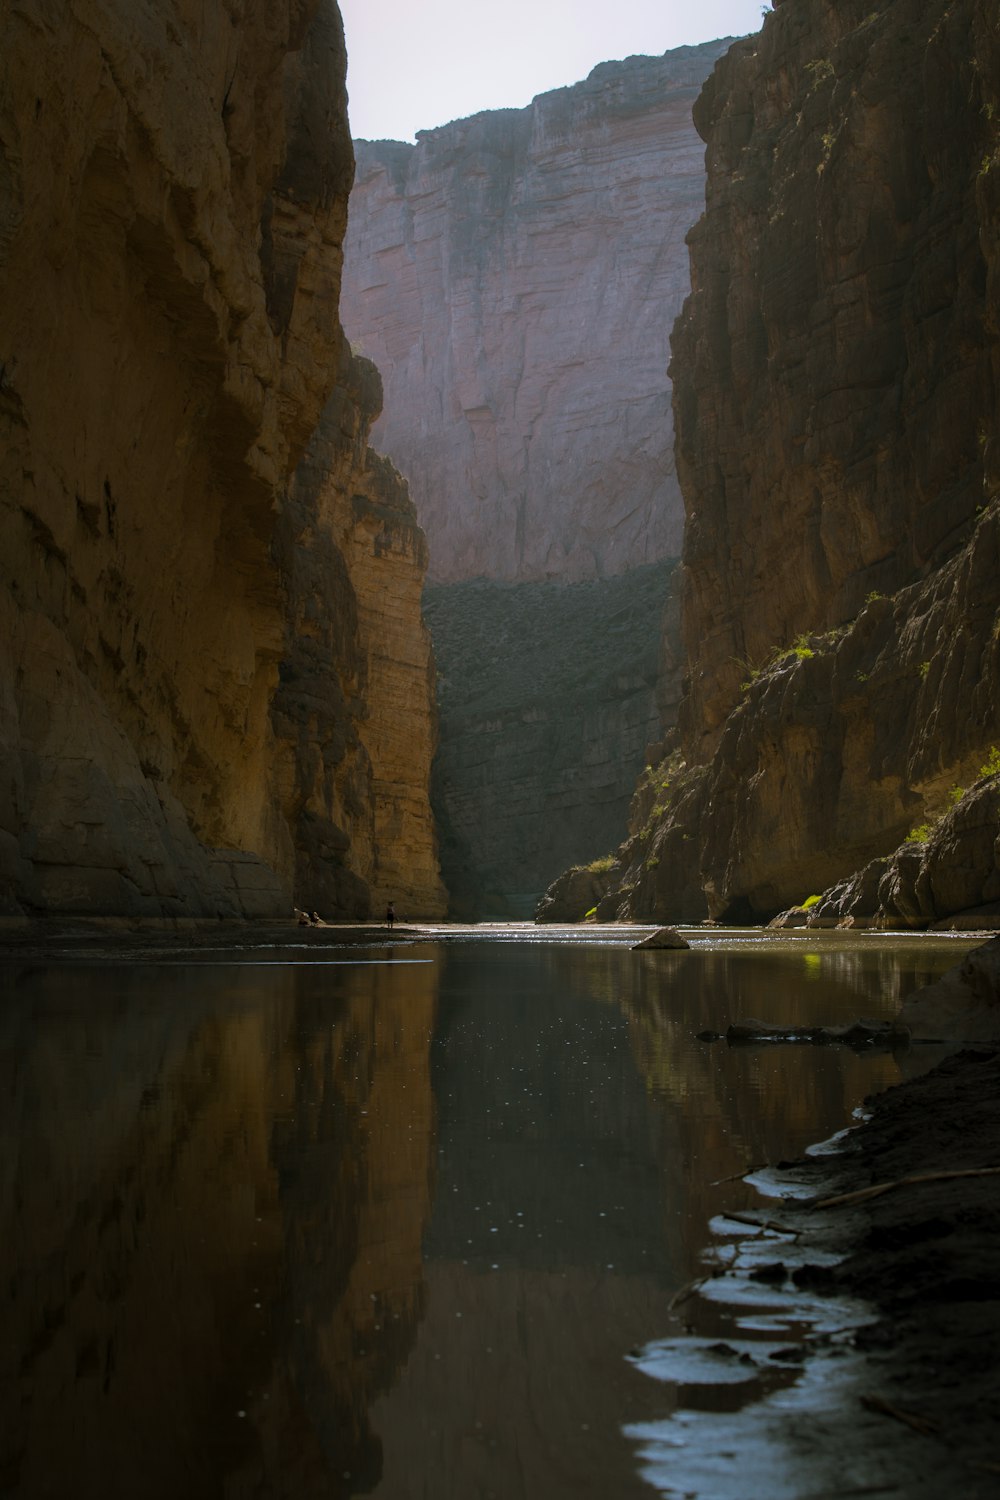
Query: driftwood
[
  {"x": 686, "y": 1291},
  {"x": 878, "y": 1188},
  {"x": 910, "y": 1419},
  {"x": 739, "y": 1176},
  {"x": 854, "y": 1034}
]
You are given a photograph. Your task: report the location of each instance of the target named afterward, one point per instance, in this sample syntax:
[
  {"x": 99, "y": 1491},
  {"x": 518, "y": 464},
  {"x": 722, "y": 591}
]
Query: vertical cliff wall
[
  {"x": 548, "y": 699},
  {"x": 514, "y": 277},
  {"x": 836, "y": 378},
  {"x": 173, "y": 195}
]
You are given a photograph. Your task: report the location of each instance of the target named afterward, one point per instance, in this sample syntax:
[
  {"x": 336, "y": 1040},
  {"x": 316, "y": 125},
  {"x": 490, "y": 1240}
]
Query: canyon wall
[
  {"x": 173, "y": 199},
  {"x": 548, "y": 699},
  {"x": 514, "y": 277},
  {"x": 836, "y": 376}
]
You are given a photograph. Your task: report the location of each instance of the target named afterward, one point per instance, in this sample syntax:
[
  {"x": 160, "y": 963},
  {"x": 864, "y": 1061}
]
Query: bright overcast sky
[{"x": 414, "y": 64}]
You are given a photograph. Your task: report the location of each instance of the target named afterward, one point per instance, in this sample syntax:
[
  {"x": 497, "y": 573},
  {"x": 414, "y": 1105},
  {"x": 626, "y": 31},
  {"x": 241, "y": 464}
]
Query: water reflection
[
  {"x": 215, "y": 1186},
  {"x": 390, "y": 1227}
]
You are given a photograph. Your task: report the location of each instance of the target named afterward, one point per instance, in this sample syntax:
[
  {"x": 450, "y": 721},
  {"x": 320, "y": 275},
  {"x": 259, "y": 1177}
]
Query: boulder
[
  {"x": 964, "y": 1005},
  {"x": 663, "y": 937}
]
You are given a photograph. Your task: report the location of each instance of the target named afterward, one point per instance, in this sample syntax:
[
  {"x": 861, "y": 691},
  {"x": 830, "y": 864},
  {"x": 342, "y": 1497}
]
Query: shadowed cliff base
[{"x": 548, "y": 697}]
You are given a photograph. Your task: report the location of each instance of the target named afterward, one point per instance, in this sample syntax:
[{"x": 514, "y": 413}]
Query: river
[{"x": 389, "y": 1220}]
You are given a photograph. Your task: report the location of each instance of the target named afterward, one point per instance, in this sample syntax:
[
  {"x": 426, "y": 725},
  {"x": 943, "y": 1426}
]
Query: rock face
[
  {"x": 173, "y": 195},
  {"x": 353, "y": 715},
  {"x": 964, "y": 1004},
  {"x": 836, "y": 377},
  {"x": 548, "y": 699},
  {"x": 514, "y": 277}
]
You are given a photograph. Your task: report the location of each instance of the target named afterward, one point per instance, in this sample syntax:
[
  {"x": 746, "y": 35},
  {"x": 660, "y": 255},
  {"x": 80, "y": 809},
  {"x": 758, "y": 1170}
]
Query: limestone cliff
[
  {"x": 514, "y": 277},
  {"x": 173, "y": 195},
  {"x": 353, "y": 717},
  {"x": 836, "y": 377}
]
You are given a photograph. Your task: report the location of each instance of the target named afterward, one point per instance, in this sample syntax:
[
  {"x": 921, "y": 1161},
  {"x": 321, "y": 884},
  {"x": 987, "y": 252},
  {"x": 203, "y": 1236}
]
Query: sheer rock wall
[
  {"x": 548, "y": 700},
  {"x": 514, "y": 277},
  {"x": 836, "y": 378},
  {"x": 173, "y": 198}
]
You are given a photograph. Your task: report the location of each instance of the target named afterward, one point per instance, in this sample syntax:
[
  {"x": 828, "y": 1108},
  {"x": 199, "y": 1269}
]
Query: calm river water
[{"x": 387, "y": 1220}]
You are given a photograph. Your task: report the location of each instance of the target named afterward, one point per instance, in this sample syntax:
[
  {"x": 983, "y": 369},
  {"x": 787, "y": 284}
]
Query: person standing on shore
[{"x": 390, "y": 916}]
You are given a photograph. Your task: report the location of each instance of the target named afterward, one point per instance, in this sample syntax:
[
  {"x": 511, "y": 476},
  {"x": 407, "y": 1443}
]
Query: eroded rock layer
[
  {"x": 514, "y": 277},
  {"x": 836, "y": 377},
  {"x": 173, "y": 197}
]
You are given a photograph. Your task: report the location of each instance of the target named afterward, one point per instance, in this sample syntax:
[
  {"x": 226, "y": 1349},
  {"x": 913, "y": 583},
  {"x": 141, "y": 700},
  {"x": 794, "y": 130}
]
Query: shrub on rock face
[
  {"x": 577, "y": 891},
  {"x": 952, "y": 875}
]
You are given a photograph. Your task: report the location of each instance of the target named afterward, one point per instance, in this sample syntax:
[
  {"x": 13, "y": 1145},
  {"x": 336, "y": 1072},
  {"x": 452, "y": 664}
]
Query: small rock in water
[{"x": 663, "y": 937}]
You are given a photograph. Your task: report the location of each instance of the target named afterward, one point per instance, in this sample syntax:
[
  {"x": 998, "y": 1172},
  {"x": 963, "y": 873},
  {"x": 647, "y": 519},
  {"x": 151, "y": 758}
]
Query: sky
[{"x": 414, "y": 64}]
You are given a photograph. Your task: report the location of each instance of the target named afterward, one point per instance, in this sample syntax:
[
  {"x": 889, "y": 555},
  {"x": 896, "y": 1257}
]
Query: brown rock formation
[
  {"x": 836, "y": 371},
  {"x": 946, "y": 875},
  {"x": 964, "y": 1003},
  {"x": 356, "y": 737},
  {"x": 514, "y": 277},
  {"x": 172, "y": 205}
]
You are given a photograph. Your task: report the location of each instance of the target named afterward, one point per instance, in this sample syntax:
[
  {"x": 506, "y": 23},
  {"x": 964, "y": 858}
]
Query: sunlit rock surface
[
  {"x": 173, "y": 199},
  {"x": 353, "y": 717},
  {"x": 514, "y": 276},
  {"x": 835, "y": 392}
]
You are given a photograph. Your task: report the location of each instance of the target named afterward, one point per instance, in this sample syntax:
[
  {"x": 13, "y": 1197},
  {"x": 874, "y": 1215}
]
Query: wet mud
[{"x": 880, "y": 1263}]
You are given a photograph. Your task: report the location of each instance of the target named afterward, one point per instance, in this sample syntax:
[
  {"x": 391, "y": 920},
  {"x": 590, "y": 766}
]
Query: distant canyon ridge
[{"x": 515, "y": 276}]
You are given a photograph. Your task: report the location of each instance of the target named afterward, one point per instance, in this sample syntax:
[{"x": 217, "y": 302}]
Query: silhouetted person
[{"x": 390, "y": 916}]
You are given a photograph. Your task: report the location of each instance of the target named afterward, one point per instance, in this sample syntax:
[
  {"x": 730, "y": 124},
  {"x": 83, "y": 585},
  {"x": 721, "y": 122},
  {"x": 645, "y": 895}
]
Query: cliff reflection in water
[
  {"x": 216, "y": 1181},
  {"x": 726, "y": 1109},
  {"x": 384, "y": 1225}
]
